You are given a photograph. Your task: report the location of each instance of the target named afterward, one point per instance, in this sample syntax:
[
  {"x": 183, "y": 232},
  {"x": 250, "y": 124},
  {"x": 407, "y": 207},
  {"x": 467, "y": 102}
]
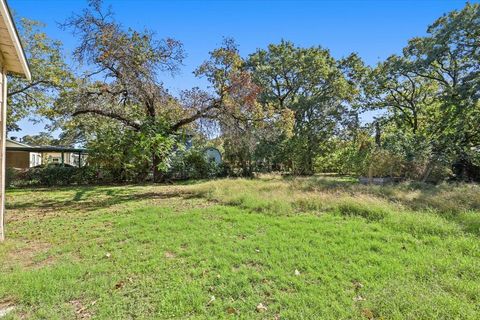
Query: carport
[{"x": 81, "y": 152}]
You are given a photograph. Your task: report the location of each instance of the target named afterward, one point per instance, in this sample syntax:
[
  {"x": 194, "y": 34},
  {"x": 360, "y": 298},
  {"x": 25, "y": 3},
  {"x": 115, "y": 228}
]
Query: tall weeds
[{"x": 405, "y": 203}]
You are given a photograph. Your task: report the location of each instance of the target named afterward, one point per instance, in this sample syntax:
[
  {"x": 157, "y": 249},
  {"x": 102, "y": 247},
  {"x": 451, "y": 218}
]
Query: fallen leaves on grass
[
  {"x": 231, "y": 310},
  {"x": 119, "y": 285},
  {"x": 212, "y": 299},
  {"x": 169, "y": 255},
  {"x": 367, "y": 313},
  {"x": 261, "y": 308},
  {"x": 357, "y": 285},
  {"x": 81, "y": 311}
]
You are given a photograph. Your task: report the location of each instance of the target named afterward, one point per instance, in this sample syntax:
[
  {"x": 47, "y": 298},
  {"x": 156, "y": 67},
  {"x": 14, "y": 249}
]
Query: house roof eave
[{"x": 19, "y": 63}]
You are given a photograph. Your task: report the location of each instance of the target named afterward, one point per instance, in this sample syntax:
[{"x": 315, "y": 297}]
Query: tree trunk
[
  {"x": 157, "y": 174},
  {"x": 308, "y": 169},
  {"x": 378, "y": 135},
  {"x": 428, "y": 171}
]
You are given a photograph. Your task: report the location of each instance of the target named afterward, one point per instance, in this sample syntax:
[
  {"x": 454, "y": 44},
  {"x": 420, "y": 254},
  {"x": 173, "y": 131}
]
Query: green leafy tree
[
  {"x": 50, "y": 75},
  {"x": 123, "y": 157},
  {"x": 394, "y": 87},
  {"x": 449, "y": 57},
  {"x": 312, "y": 85},
  {"x": 430, "y": 95},
  {"x": 409, "y": 108},
  {"x": 242, "y": 119},
  {"x": 123, "y": 83},
  {"x": 41, "y": 139}
]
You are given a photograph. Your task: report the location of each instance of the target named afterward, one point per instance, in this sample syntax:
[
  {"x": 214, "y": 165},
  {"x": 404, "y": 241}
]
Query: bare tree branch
[{"x": 110, "y": 115}]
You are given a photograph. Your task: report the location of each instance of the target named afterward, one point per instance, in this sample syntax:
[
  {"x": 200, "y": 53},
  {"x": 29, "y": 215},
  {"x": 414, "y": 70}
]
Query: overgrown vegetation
[
  {"x": 319, "y": 247},
  {"x": 282, "y": 108},
  {"x": 104, "y": 170},
  {"x": 297, "y": 245}
]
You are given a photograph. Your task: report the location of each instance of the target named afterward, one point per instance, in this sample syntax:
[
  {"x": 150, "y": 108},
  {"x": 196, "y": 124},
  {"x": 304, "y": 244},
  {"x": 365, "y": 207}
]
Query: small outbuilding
[{"x": 213, "y": 155}]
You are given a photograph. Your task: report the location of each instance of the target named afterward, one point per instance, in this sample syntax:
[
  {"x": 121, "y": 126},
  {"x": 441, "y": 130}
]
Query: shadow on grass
[
  {"x": 90, "y": 199},
  {"x": 459, "y": 203}
]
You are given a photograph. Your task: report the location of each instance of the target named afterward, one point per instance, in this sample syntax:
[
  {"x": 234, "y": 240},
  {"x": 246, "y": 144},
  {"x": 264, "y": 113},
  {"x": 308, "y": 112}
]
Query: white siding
[
  {"x": 3, "y": 120},
  {"x": 35, "y": 159}
]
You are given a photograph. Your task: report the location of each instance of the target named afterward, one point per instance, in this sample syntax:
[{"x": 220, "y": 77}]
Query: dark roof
[
  {"x": 25, "y": 147},
  {"x": 48, "y": 149}
]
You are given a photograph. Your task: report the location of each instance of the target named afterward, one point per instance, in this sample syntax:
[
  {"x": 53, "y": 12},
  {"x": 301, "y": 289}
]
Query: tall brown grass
[{"x": 407, "y": 202}]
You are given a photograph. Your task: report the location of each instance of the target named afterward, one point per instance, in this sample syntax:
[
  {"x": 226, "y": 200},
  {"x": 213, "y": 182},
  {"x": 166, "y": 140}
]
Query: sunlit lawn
[{"x": 312, "y": 248}]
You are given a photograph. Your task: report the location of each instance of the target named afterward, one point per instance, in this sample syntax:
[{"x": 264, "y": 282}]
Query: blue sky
[{"x": 373, "y": 29}]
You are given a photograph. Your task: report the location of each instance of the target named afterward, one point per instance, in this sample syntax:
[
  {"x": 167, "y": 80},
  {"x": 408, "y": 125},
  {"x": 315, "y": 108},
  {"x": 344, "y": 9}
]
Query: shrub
[
  {"x": 11, "y": 177},
  {"x": 346, "y": 157},
  {"x": 86, "y": 175},
  {"x": 192, "y": 164},
  {"x": 53, "y": 175},
  {"x": 383, "y": 163},
  {"x": 119, "y": 157}
]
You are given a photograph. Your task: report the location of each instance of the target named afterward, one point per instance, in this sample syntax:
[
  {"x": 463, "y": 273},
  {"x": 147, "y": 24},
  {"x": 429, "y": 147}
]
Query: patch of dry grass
[{"x": 277, "y": 195}]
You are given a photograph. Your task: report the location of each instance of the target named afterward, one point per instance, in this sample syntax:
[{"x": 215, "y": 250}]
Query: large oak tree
[{"x": 122, "y": 82}]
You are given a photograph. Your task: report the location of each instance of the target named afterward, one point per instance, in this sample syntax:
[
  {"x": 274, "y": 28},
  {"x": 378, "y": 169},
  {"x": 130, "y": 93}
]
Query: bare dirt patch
[
  {"x": 6, "y": 306},
  {"x": 29, "y": 255},
  {"x": 19, "y": 215}
]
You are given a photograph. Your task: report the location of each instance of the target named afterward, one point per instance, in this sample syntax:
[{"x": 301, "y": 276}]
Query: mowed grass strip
[{"x": 305, "y": 249}]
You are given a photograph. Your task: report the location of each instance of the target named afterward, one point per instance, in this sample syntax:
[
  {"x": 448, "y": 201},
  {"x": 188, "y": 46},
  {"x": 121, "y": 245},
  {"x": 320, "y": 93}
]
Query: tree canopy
[
  {"x": 50, "y": 76},
  {"x": 284, "y": 107}
]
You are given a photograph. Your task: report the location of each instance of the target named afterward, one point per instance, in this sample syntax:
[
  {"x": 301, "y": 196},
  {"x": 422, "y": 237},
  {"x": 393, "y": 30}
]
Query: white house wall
[{"x": 3, "y": 120}]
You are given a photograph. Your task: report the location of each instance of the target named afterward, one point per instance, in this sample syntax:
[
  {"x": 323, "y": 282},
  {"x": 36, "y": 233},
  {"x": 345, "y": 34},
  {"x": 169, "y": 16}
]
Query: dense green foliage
[
  {"x": 311, "y": 84},
  {"x": 50, "y": 76},
  {"x": 53, "y": 175},
  {"x": 426, "y": 103},
  {"x": 193, "y": 164},
  {"x": 431, "y": 96},
  {"x": 275, "y": 247},
  {"x": 283, "y": 108}
]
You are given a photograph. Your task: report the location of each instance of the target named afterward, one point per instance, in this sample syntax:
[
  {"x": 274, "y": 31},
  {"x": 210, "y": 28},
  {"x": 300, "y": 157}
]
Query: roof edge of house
[
  {"x": 18, "y": 142},
  {"x": 14, "y": 35}
]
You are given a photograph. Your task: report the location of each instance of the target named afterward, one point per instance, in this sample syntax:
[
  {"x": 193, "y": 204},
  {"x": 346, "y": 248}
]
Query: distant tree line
[{"x": 283, "y": 108}]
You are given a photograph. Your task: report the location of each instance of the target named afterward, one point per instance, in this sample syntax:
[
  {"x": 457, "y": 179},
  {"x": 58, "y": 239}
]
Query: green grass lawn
[{"x": 305, "y": 248}]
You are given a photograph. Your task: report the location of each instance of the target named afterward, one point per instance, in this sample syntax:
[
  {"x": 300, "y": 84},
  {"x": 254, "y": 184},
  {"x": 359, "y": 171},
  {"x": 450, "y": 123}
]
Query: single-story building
[
  {"x": 19, "y": 159},
  {"x": 12, "y": 60},
  {"x": 23, "y": 156}
]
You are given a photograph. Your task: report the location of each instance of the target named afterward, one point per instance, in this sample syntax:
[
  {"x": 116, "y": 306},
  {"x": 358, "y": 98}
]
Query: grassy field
[{"x": 269, "y": 248}]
